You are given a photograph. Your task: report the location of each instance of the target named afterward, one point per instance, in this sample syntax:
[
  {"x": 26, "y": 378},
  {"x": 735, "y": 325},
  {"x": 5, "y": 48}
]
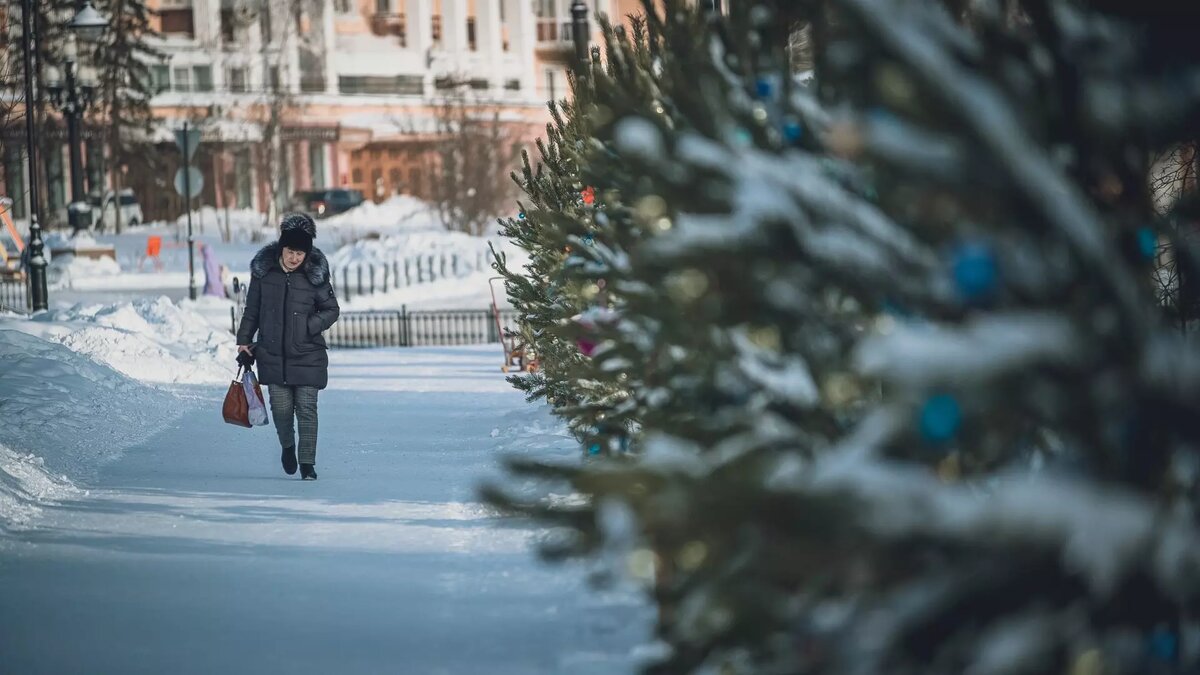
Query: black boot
[
  {"x": 308, "y": 472},
  {"x": 289, "y": 460}
]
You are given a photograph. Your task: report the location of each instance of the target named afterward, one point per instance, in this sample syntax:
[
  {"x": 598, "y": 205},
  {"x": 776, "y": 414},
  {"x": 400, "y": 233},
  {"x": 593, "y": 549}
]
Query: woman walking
[{"x": 289, "y": 304}]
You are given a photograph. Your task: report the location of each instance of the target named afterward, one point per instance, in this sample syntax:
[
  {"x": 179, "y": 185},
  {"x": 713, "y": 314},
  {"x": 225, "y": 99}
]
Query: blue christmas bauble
[
  {"x": 792, "y": 131},
  {"x": 976, "y": 272},
  {"x": 1147, "y": 242},
  {"x": 594, "y": 449},
  {"x": 521, "y": 215},
  {"x": 588, "y": 239},
  {"x": 940, "y": 418},
  {"x": 1163, "y": 644},
  {"x": 763, "y": 87}
]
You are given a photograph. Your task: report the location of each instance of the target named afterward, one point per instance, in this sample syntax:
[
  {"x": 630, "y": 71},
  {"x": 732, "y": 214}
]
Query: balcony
[
  {"x": 555, "y": 39},
  {"x": 386, "y": 23}
]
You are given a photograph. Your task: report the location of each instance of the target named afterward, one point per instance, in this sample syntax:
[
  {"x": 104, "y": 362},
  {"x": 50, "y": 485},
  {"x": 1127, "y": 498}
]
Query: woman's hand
[{"x": 246, "y": 349}]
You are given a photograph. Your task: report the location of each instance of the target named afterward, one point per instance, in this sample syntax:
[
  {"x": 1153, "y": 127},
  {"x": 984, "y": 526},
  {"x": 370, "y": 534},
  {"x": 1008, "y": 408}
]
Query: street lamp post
[
  {"x": 72, "y": 97},
  {"x": 39, "y": 297},
  {"x": 579, "y": 28}
]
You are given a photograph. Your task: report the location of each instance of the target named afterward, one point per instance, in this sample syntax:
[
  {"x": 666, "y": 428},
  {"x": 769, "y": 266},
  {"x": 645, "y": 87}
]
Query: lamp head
[{"x": 88, "y": 23}]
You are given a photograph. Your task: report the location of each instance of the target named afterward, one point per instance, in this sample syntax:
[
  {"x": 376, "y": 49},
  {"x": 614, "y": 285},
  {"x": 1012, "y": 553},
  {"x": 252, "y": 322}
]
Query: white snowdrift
[
  {"x": 73, "y": 412},
  {"x": 151, "y": 340}
]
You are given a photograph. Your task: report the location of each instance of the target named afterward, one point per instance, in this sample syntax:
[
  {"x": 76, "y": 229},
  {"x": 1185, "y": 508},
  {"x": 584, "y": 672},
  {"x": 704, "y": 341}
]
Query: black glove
[{"x": 245, "y": 359}]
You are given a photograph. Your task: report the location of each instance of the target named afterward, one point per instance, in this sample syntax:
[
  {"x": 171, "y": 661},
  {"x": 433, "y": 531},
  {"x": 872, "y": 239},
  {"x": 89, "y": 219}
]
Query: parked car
[
  {"x": 104, "y": 210},
  {"x": 327, "y": 202}
]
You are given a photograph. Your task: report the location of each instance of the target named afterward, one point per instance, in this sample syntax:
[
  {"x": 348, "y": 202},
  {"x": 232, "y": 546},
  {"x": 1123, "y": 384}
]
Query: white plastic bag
[{"x": 254, "y": 399}]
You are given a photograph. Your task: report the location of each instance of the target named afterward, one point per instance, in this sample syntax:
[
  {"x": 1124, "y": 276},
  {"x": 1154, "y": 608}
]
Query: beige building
[{"x": 353, "y": 86}]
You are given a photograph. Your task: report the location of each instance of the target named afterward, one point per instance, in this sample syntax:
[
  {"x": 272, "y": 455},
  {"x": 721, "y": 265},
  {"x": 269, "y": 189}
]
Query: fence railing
[
  {"x": 418, "y": 328},
  {"x": 369, "y": 278},
  {"x": 14, "y": 295},
  {"x": 421, "y": 328}
]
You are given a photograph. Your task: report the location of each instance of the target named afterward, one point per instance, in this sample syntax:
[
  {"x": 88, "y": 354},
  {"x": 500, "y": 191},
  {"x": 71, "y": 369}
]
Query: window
[
  {"x": 551, "y": 94},
  {"x": 202, "y": 78},
  {"x": 160, "y": 78},
  {"x": 357, "y": 175},
  {"x": 343, "y": 6},
  {"x": 479, "y": 83},
  {"x": 264, "y": 23},
  {"x": 14, "y": 177},
  {"x": 403, "y": 85},
  {"x": 316, "y": 164},
  {"x": 394, "y": 178},
  {"x": 182, "y": 78},
  {"x": 414, "y": 181},
  {"x": 227, "y": 32},
  {"x": 245, "y": 186},
  {"x": 177, "y": 21},
  {"x": 238, "y": 81},
  {"x": 436, "y": 29},
  {"x": 55, "y": 177},
  {"x": 95, "y": 168},
  {"x": 383, "y": 6},
  {"x": 512, "y": 85},
  {"x": 471, "y": 44},
  {"x": 273, "y": 82}
]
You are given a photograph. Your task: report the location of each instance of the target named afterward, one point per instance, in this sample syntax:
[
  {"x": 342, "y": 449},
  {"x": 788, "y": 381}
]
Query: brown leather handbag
[{"x": 236, "y": 410}]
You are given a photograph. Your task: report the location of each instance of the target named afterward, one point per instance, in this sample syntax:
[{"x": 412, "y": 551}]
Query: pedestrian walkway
[{"x": 194, "y": 553}]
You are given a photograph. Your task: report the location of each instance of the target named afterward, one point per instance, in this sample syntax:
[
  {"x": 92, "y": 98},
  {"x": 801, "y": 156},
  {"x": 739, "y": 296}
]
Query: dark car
[{"x": 327, "y": 202}]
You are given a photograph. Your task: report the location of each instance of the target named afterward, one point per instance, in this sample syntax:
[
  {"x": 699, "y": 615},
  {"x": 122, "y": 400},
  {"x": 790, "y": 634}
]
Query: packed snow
[{"x": 139, "y": 533}]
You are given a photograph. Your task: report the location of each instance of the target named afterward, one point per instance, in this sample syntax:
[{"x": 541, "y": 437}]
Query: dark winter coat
[{"x": 289, "y": 311}]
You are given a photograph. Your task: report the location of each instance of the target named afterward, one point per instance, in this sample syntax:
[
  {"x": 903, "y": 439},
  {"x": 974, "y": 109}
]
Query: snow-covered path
[{"x": 194, "y": 553}]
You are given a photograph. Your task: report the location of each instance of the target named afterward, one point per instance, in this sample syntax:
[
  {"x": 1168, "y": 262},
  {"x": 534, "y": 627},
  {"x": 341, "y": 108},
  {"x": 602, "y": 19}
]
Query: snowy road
[{"x": 194, "y": 553}]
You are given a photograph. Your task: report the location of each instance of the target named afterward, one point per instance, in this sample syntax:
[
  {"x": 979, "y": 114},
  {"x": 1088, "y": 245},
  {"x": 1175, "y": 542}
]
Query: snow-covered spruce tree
[
  {"x": 562, "y": 223},
  {"x": 1019, "y": 494}
]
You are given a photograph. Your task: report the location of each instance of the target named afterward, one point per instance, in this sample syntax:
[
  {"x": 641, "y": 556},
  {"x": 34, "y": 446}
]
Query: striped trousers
[{"x": 291, "y": 403}]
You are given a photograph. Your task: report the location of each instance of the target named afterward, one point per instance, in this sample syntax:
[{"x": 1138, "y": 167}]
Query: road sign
[
  {"x": 188, "y": 139},
  {"x": 195, "y": 181}
]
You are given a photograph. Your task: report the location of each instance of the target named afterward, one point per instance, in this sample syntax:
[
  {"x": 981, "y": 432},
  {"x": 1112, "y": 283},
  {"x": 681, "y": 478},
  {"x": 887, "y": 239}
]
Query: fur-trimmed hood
[{"x": 315, "y": 267}]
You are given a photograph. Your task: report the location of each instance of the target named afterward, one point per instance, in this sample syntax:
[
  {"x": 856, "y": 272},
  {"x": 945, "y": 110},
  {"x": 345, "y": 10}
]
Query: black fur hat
[
  {"x": 298, "y": 221},
  {"x": 296, "y": 239}
]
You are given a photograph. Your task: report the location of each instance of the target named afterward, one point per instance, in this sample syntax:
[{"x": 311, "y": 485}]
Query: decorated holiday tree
[{"x": 884, "y": 345}]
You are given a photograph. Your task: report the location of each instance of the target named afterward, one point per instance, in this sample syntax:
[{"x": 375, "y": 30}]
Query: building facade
[
  {"x": 330, "y": 93},
  {"x": 348, "y": 90}
]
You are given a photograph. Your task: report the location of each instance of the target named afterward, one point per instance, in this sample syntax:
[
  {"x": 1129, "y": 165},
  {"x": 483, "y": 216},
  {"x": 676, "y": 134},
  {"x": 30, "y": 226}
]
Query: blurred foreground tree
[{"x": 883, "y": 346}]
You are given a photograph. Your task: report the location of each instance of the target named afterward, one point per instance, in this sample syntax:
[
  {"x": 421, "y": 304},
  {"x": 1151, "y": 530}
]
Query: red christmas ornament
[
  {"x": 586, "y": 347},
  {"x": 589, "y": 195}
]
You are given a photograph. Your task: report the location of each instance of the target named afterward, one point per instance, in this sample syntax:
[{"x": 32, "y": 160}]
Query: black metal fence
[
  {"x": 419, "y": 328},
  {"x": 14, "y": 295},
  {"x": 365, "y": 279},
  {"x": 402, "y": 328}
]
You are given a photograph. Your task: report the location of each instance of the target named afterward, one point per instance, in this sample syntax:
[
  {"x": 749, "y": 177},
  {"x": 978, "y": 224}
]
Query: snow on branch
[
  {"x": 1102, "y": 533},
  {"x": 921, "y": 355}
]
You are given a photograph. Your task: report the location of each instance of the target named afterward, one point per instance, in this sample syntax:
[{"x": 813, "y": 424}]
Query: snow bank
[
  {"x": 73, "y": 412},
  {"x": 25, "y": 486},
  {"x": 67, "y": 270},
  {"x": 401, "y": 246},
  {"x": 402, "y": 213},
  {"x": 153, "y": 341}
]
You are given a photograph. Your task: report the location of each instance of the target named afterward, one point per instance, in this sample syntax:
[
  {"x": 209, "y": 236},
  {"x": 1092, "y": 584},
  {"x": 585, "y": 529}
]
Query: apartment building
[
  {"x": 352, "y": 85},
  {"x": 351, "y": 89}
]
